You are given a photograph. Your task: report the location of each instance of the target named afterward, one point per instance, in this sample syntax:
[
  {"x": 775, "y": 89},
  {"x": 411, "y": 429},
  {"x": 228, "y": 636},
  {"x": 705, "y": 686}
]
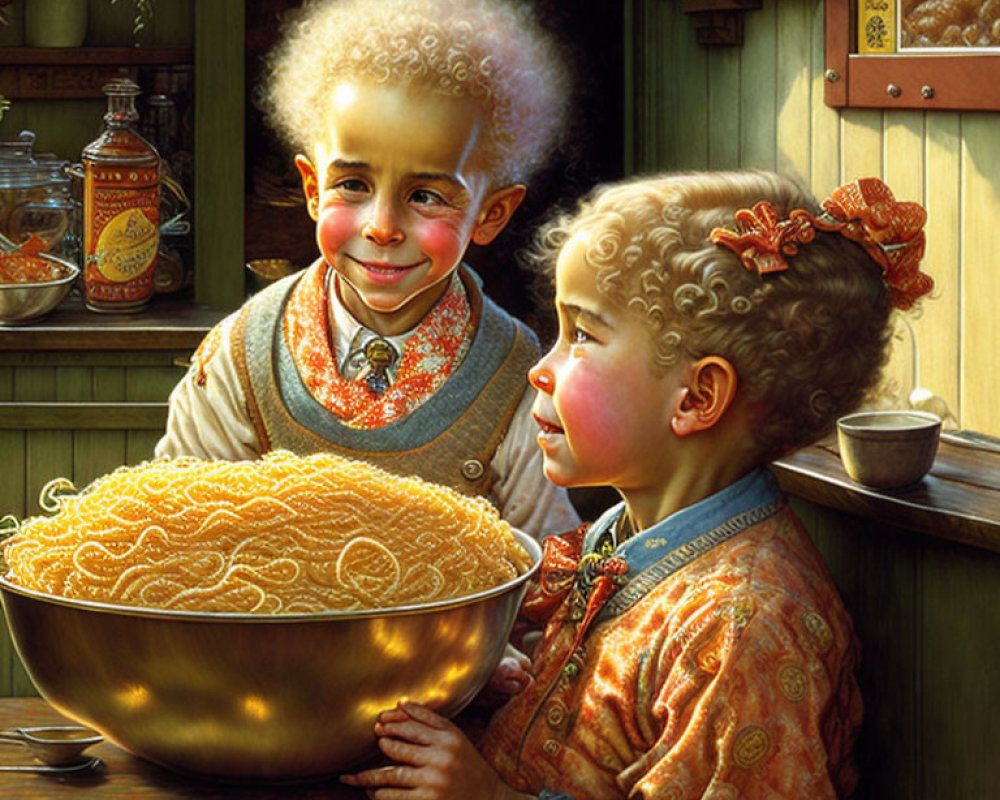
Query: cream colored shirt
[
  {"x": 347, "y": 329},
  {"x": 212, "y": 422}
]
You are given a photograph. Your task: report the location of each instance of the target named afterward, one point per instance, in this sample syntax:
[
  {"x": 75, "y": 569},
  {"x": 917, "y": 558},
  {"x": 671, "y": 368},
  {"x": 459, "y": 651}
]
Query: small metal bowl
[
  {"x": 888, "y": 449},
  {"x": 265, "y": 271},
  {"x": 24, "y": 303},
  {"x": 256, "y": 697}
]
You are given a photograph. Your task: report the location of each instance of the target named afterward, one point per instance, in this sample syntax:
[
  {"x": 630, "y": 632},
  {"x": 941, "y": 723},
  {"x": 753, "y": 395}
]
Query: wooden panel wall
[
  {"x": 761, "y": 105},
  {"x": 925, "y": 611},
  {"x": 36, "y": 450}
]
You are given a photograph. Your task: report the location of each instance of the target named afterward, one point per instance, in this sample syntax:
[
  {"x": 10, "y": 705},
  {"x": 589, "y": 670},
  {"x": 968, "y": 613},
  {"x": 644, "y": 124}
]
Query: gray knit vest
[{"x": 449, "y": 439}]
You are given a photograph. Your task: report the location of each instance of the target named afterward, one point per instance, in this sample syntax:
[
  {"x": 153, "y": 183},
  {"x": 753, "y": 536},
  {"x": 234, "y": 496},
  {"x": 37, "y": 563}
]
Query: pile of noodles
[{"x": 285, "y": 534}]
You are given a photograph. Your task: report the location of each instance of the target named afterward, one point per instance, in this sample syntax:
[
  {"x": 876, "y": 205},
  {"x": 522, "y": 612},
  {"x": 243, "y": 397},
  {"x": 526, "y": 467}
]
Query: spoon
[
  {"x": 54, "y": 746},
  {"x": 7, "y": 247},
  {"x": 80, "y": 766}
]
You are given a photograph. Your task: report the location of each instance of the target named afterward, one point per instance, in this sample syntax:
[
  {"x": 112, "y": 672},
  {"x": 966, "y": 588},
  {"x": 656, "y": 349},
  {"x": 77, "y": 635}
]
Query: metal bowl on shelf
[
  {"x": 262, "y": 698},
  {"x": 265, "y": 271},
  {"x": 24, "y": 303}
]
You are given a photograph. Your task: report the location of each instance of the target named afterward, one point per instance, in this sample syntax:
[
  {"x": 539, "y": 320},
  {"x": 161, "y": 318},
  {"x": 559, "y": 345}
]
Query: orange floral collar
[{"x": 430, "y": 355}]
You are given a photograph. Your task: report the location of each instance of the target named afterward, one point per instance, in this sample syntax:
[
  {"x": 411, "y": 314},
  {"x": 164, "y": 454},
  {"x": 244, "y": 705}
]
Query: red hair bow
[{"x": 864, "y": 211}]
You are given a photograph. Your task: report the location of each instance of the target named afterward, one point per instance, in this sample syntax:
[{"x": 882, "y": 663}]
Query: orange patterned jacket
[{"x": 723, "y": 667}]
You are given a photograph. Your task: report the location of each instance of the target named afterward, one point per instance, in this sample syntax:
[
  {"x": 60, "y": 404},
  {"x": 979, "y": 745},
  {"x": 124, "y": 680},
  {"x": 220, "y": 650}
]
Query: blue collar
[{"x": 756, "y": 490}]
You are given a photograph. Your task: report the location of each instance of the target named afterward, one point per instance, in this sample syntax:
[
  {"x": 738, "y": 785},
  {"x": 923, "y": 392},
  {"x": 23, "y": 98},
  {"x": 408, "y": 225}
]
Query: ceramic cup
[{"x": 888, "y": 449}]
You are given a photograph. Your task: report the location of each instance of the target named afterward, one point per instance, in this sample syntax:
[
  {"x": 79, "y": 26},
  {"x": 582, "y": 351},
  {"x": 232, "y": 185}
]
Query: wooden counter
[
  {"x": 168, "y": 323},
  {"x": 959, "y": 499},
  {"x": 125, "y": 776}
]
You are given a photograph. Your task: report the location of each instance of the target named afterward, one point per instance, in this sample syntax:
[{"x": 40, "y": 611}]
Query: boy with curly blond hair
[{"x": 417, "y": 123}]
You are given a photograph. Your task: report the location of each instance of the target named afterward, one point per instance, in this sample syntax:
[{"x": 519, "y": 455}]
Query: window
[{"x": 937, "y": 69}]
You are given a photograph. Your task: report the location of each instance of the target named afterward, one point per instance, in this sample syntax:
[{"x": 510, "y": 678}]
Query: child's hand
[
  {"x": 435, "y": 761},
  {"x": 512, "y": 674}
]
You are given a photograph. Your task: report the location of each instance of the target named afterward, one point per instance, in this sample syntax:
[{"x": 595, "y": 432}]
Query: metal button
[
  {"x": 927, "y": 92},
  {"x": 555, "y": 714},
  {"x": 893, "y": 90},
  {"x": 473, "y": 469}
]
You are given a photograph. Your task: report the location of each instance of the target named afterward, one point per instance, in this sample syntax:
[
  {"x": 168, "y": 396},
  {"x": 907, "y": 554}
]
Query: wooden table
[{"x": 124, "y": 776}]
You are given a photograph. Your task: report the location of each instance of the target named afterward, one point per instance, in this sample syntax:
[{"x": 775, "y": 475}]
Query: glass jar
[{"x": 36, "y": 197}]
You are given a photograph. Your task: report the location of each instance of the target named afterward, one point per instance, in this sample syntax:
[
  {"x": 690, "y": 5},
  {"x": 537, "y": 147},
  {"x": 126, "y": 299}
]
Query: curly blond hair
[
  {"x": 493, "y": 51},
  {"x": 807, "y": 342}
]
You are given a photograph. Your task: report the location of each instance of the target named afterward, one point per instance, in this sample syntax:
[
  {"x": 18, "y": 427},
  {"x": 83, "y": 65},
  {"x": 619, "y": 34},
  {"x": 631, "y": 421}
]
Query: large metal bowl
[
  {"x": 256, "y": 697},
  {"x": 23, "y": 303}
]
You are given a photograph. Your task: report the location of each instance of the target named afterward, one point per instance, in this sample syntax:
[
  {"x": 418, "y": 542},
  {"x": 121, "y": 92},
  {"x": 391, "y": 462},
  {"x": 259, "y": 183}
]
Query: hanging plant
[{"x": 143, "y": 16}]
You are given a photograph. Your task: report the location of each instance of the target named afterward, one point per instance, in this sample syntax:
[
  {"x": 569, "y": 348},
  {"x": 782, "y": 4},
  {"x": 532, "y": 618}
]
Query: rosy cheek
[
  {"x": 337, "y": 224},
  {"x": 589, "y": 413},
  {"x": 439, "y": 239}
]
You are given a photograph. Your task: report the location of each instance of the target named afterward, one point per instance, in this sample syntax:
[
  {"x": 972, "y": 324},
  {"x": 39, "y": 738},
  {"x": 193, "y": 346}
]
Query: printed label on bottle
[
  {"x": 121, "y": 237},
  {"x": 127, "y": 245}
]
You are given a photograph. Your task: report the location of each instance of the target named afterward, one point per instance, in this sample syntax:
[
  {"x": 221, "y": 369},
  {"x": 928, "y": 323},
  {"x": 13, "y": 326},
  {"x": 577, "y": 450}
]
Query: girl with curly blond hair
[{"x": 691, "y": 642}]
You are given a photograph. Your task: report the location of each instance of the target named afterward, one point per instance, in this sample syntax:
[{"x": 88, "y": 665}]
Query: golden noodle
[{"x": 285, "y": 534}]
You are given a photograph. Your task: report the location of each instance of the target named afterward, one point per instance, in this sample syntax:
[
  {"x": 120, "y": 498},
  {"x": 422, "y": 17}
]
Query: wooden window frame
[{"x": 949, "y": 81}]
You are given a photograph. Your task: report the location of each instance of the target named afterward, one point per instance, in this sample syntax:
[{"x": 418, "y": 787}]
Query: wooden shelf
[
  {"x": 959, "y": 499},
  {"x": 10, "y": 56},
  {"x": 168, "y": 323},
  {"x": 76, "y": 73},
  {"x": 719, "y": 21}
]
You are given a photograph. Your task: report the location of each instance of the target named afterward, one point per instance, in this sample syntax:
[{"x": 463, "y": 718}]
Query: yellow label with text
[
  {"x": 876, "y": 26},
  {"x": 127, "y": 246}
]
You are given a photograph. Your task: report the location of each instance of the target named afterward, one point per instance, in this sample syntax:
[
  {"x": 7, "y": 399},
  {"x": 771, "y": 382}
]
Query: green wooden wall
[
  {"x": 926, "y": 613},
  {"x": 761, "y": 105}
]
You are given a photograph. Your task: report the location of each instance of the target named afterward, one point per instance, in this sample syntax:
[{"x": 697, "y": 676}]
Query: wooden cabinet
[
  {"x": 56, "y": 93},
  {"x": 946, "y": 80},
  {"x": 918, "y": 569},
  {"x": 81, "y": 394}
]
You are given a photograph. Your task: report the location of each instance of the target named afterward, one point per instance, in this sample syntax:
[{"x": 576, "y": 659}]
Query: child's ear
[
  {"x": 310, "y": 184},
  {"x": 710, "y": 392},
  {"x": 496, "y": 211}
]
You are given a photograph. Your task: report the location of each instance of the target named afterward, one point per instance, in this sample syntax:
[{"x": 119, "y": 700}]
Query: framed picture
[
  {"x": 937, "y": 26},
  {"x": 925, "y": 54}
]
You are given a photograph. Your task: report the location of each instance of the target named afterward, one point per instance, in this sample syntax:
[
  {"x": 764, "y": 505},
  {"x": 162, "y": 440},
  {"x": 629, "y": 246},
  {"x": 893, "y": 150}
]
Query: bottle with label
[{"x": 121, "y": 208}]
